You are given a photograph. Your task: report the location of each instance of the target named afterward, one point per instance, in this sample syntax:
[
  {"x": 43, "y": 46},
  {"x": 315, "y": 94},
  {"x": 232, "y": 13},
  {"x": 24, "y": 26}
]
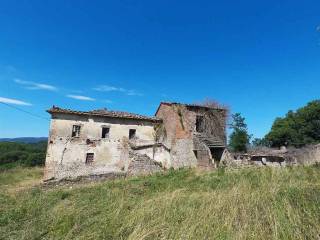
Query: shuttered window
[
  {"x": 76, "y": 130},
  {"x": 89, "y": 158}
]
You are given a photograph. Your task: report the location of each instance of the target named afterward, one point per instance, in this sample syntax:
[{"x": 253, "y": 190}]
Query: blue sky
[{"x": 262, "y": 58}]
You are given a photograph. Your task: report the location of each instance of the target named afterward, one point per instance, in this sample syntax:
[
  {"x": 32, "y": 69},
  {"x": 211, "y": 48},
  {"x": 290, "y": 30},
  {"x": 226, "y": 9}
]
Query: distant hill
[{"x": 24, "y": 139}]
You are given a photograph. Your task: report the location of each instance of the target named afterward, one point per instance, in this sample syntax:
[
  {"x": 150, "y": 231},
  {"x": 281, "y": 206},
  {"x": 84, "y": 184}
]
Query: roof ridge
[{"x": 103, "y": 113}]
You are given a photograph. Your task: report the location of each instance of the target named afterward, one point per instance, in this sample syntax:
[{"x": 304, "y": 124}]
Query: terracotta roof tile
[{"x": 103, "y": 113}]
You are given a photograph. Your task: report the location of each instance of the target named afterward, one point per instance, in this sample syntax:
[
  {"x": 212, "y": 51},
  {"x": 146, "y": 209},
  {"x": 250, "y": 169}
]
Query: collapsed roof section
[{"x": 191, "y": 106}]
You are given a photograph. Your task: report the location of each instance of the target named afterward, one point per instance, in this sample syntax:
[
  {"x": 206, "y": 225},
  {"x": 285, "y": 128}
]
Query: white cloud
[
  {"x": 80, "y": 97},
  {"x": 108, "y": 88},
  {"x": 35, "y": 86},
  {"x": 14, "y": 101}
]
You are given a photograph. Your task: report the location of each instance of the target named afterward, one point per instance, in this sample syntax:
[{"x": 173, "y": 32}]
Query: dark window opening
[
  {"x": 199, "y": 123},
  {"x": 132, "y": 133},
  {"x": 195, "y": 153},
  {"x": 76, "y": 130},
  {"x": 105, "y": 132},
  {"x": 89, "y": 158}
]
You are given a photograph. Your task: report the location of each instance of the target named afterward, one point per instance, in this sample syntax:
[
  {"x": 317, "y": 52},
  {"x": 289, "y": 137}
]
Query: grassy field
[{"x": 187, "y": 204}]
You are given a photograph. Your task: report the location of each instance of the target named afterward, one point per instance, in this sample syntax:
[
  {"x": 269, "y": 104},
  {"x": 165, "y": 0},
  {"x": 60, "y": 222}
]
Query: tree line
[{"x": 297, "y": 128}]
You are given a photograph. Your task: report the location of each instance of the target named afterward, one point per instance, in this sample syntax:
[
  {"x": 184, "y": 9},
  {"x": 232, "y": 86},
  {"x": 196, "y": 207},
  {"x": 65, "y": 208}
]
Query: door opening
[{"x": 216, "y": 154}]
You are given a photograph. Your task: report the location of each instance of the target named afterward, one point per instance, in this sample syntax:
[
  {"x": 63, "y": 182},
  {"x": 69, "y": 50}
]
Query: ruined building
[
  {"x": 195, "y": 134},
  {"x": 99, "y": 142}
]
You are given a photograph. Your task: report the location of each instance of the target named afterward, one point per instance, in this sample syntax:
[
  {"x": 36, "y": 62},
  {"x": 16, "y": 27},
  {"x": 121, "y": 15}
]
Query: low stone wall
[
  {"x": 307, "y": 155},
  {"x": 272, "y": 157}
]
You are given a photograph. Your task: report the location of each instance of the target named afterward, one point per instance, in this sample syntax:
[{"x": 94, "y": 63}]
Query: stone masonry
[{"x": 99, "y": 142}]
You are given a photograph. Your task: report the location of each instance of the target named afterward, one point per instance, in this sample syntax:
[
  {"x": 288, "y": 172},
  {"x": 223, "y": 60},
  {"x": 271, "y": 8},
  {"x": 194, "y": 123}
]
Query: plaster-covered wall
[
  {"x": 61, "y": 125},
  {"x": 66, "y": 155}
]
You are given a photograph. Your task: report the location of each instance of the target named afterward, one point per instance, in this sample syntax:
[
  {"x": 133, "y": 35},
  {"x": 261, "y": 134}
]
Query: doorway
[{"x": 216, "y": 154}]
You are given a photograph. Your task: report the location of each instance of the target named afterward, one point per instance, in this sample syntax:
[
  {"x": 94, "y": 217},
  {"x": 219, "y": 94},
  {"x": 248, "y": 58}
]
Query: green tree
[
  {"x": 297, "y": 128},
  {"x": 239, "y": 138},
  {"x": 258, "y": 142}
]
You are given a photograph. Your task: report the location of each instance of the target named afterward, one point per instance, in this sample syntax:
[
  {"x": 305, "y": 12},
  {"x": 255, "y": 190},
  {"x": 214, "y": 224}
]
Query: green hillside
[
  {"x": 260, "y": 203},
  {"x": 13, "y": 154}
]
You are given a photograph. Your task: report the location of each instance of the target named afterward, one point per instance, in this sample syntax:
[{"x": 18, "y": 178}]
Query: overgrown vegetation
[
  {"x": 265, "y": 203},
  {"x": 160, "y": 132},
  {"x": 214, "y": 121},
  {"x": 180, "y": 109},
  {"x": 296, "y": 128},
  {"x": 13, "y": 154}
]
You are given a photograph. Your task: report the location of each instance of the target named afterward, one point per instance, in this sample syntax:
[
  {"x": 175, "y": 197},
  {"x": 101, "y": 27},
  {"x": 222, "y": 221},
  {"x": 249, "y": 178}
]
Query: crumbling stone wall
[
  {"x": 274, "y": 157},
  {"x": 142, "y": 164},
  {"x": 180, "y": 123},
  {"x": 66, "y": 155},
  {"x": 307, "y": 155},
  {"x": 204, "y": 157},
  {"x": 179, "y": 136},
  {"x": 155, "y": 151}
]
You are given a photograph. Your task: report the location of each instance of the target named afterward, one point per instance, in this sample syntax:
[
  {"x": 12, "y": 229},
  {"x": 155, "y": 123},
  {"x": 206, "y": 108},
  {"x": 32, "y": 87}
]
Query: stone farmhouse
[{"x": 102, "y": 142}]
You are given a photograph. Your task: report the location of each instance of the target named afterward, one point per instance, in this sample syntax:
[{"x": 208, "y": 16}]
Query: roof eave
[{"x": 50, "y": 111}]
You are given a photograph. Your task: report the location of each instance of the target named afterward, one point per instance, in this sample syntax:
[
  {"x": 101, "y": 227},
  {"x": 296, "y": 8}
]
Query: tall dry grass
[{"x": 265, "y": 203}]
